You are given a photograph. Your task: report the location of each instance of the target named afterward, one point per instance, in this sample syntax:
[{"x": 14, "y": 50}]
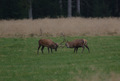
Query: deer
[
  {"x": 47, "y": 43},
  {"x": 76, "y": 44}
]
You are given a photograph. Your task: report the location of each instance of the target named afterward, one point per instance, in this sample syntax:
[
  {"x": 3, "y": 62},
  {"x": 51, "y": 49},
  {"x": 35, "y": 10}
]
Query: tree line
[{"x": 19, "y": 9}]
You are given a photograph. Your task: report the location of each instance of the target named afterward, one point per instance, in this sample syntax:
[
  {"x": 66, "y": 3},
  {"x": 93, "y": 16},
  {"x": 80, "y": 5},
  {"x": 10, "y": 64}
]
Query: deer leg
[
  {"x": 76, "y": 50},
  {"x": 38, "y": 49},
  {"x": 87, "y": 48},
  {"x": 51, "y": 50},
  {"x": 42, "y": 49},
  {"x": 83, "y": 48},
  {"x": 48, "y": 49}
]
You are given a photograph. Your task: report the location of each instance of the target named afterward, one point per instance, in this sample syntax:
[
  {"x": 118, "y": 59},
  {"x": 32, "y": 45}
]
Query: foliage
[
  {"x": 18, "y": 9},
  {"x": 45, "y": 8},
  {"x": 13, "y": 9}
]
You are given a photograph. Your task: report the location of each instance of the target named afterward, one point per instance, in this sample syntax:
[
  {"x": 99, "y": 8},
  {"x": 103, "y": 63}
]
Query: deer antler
[{"x": 64, "y": 40}]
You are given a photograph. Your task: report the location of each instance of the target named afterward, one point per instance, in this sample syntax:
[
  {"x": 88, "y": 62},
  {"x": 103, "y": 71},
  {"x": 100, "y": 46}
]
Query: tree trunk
[
  {"x": 60, "y": 2},
  {"x": 78, "y": 7},
  {"x": 69, "y": 8},
  {"x": 30, "y": 10},
  {"x": 117, "y": 8}
]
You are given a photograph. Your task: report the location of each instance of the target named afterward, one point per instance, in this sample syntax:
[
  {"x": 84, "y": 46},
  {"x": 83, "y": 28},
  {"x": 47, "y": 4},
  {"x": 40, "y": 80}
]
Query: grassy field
[
  {"x": 19, "y": 60},
  {"x": 54, "y": 27}
]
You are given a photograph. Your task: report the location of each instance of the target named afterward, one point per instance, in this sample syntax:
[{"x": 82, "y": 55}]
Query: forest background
[{"x": 21, "y": 9}]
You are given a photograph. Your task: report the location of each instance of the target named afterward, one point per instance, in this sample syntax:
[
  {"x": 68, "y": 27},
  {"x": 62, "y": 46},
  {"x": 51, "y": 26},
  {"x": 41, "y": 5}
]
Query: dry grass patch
[
  {"x": 54, "y": 27},
  {"x": 97, "y": 77}
]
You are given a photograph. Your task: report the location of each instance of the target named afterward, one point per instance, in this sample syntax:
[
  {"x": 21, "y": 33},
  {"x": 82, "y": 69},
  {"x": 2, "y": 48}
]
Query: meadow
[{"x": 19, "y": 60}]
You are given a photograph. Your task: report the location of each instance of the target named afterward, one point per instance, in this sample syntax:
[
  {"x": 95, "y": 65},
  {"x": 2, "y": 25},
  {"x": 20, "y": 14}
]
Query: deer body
[
  {"x": 77, "y": 43},
  {"x": 47, "y": 43}
]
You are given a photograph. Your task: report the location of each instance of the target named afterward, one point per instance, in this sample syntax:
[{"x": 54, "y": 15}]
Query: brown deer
[
  {"x": 47, "y": 43},
  {"x": 76, "y": 44}
]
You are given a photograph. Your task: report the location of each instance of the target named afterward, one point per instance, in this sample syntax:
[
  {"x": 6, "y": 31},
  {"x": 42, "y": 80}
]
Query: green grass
[{"x": 19, "y": 60}]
